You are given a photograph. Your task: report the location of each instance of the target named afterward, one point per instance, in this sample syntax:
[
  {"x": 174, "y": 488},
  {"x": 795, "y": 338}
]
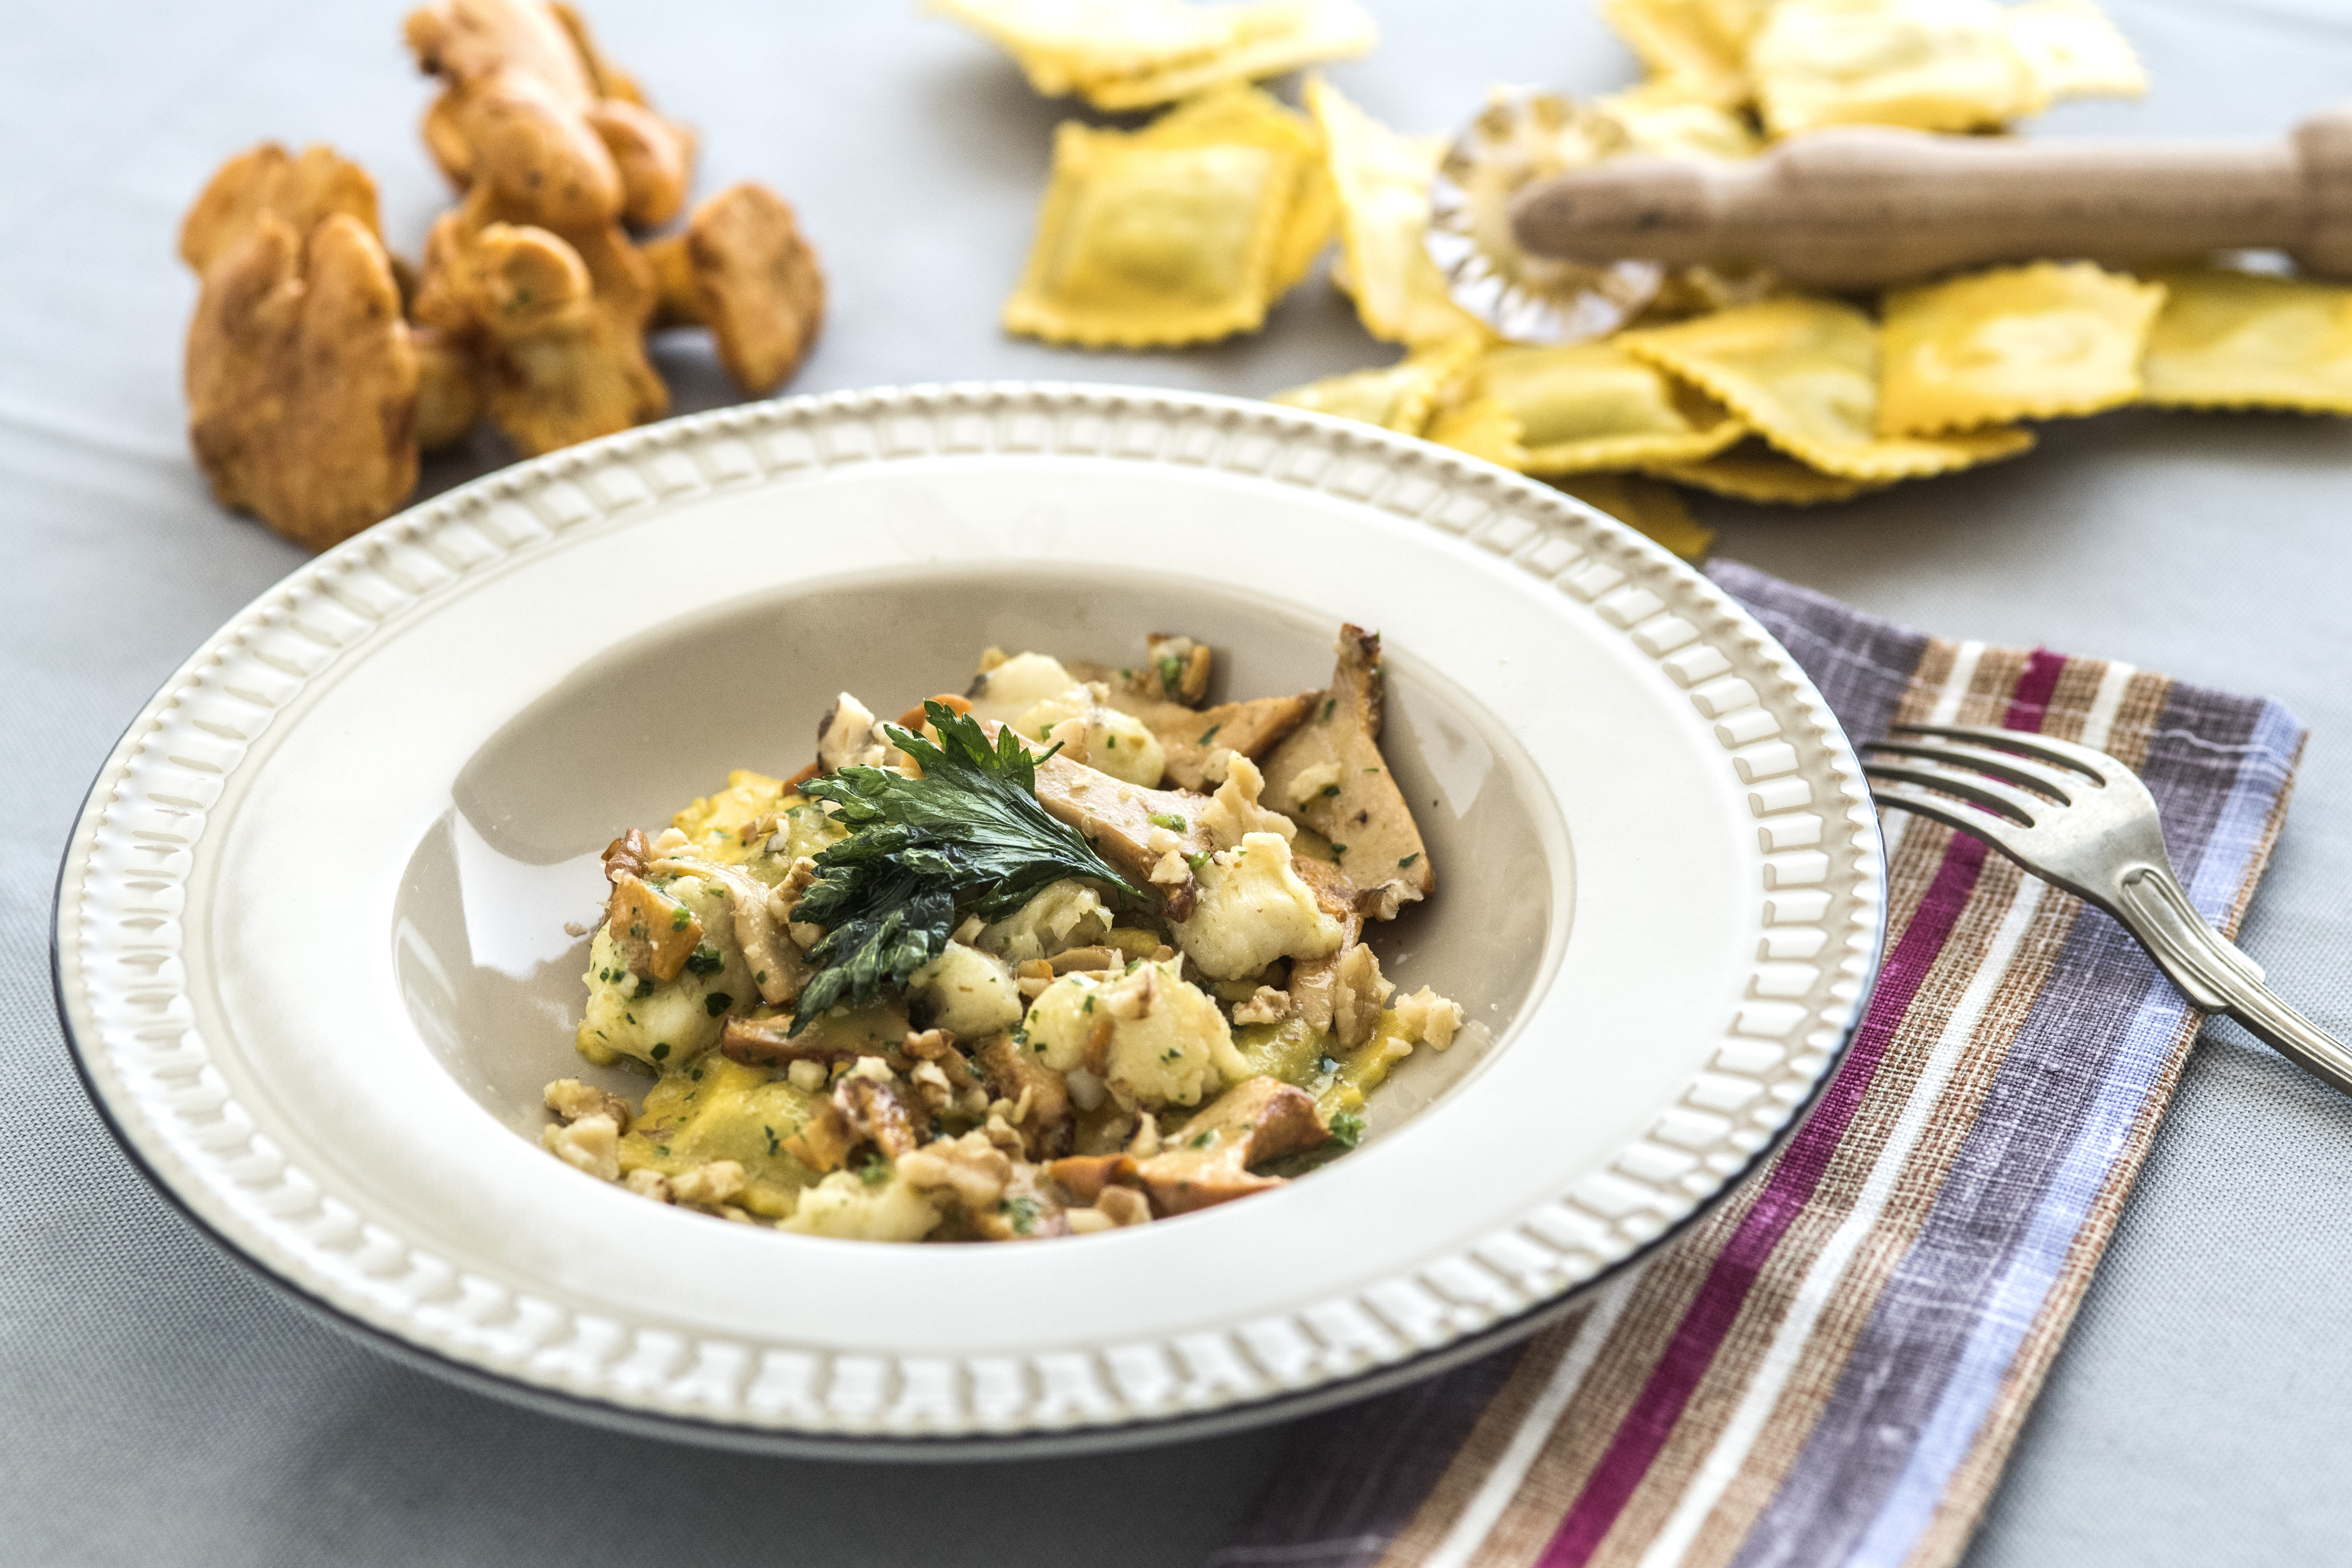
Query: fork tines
[{"x": 2004, "y": 771}]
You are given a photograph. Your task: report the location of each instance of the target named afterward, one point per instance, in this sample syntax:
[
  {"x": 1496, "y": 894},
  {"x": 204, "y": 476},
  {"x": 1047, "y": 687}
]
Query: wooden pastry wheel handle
[{"x": 1866, "y": 206}]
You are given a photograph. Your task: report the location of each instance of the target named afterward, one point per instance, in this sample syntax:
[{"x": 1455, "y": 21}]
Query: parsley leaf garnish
[
  {"x": 1347, "y": 1129},
  {"x": 966, "y": 838}
]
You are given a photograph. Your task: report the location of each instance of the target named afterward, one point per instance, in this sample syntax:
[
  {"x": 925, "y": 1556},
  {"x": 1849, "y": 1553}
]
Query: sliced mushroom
[
  {"x": 1329, "y": 776},
  {"x": 656, "y": 933},
  {"x": 877, "y": 1112},
  {"x": 777, "y": 967},
  {"x": 1117, "y": 818},
  {"x": 1014, "y": 1074},
  {"x": 1190, "y": 737},
  {"x": 1208, "y": 1161},
  {"x": 1086, "y": 1175}
]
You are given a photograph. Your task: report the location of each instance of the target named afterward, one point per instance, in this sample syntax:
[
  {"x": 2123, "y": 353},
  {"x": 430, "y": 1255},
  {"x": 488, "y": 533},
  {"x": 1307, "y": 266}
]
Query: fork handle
[{"x": 2217, "y": 977}]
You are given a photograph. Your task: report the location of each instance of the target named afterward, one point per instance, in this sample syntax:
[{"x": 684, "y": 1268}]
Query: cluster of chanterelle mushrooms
[{"x": 319, "y": 364}]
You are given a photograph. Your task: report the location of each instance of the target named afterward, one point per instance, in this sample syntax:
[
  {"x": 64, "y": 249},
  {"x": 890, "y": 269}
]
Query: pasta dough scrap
[
  {"x": 1696, "y": 49},
  {"x": 1803, "y": 375},
  {"x": 2240, "y": 340},
  {"x": 1933, "y": 64},
  {"x": 1381, "y": 182},
  {"x": 1661, "y": 120},
  {"x": 2016, "y": 342},
  {"x": 1582, "y": 408},
  {"x": 1753, "y": 471},
  {"x": 2072, "y": 48},
  {"x": 1148, "y": 241},
  {"x": 1655, "y": 510},
  {"x": 1402, "y": 397},
  {"x": 1134, "y": 54}
]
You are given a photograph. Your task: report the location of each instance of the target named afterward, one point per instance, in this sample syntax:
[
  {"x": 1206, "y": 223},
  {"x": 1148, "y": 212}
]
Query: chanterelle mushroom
[
  {"x": 1209, "y": 1160},
  {"x": 301, "y": 192},
  {"x": 301, "y": 379},
  {"x": 1329, "y": 775},
  {"x": 559, "y": 320},
  {"x": 529, "y": 113},
  {"x": 742, "y": 270}
]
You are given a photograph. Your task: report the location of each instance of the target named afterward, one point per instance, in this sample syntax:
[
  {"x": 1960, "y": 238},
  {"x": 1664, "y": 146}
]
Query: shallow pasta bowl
[{"x": 312, "y": 955}]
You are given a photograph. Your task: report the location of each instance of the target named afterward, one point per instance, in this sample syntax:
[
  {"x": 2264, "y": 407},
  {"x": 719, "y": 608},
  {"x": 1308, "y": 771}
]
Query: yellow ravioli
[
  {"x": 1803, "y": 375},
  {"x": 2019, "y": 342},
  {"x": 1062, "y": 45},
  {"x": 1133, "y": 54},
  {"x": 1581, "y": 407},
  {"x": 2071, "y": 47},
  {"x": 1695, "y": 48},
  {"x": 1753, "y": 471},
  {"x": 1936, "y": 65},
  {"x": 1649, "y": 508},
  {"x": 1140, "y": 245},
  {"x": 2238, "y": 340},
  {"x": 1664, "y": 121},
  {"x": 1242, "y": 115},
  {"x": 1282, "y": 36},
  {"x": 1482, "y": 426},
  {"x": 1402, "y": 397},
  {"x": 1381, "y": 180}
]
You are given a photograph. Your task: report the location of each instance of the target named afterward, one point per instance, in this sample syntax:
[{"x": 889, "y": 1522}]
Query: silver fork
[{"x": 2082, "y": 820}]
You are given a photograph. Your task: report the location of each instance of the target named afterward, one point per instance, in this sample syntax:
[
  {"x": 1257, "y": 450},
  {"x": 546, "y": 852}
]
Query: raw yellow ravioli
[
  {"x": 2018, "y": 342},
  {"x": 1181, "y": 232},
  {"x": 1695, "y": 47},
  {"x": 2072, "y": 48},
  {"x": 1753, "y": 471},
  {"x": 1936, "y": 65},
  {"x": 1401, "y": 397},
  {"x": 1382, "y": 184},
  {"x": 1245, "y": 117},
  {"x": 1587, "y": 406},
  {"x": 2238, "y": 340},
  {"x": 1803, "y": 375},
  {"x": 1649, "y": 508},
  {"x": 1132, "y": 54}
]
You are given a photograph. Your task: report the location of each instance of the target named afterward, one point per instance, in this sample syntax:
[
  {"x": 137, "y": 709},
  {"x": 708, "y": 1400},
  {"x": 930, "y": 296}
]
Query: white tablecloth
[{"x": 162, "y": 1406}]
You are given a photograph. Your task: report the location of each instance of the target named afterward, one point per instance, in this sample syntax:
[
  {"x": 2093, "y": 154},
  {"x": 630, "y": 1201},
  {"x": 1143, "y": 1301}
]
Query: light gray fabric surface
[{"x": 164, "y": 1406}]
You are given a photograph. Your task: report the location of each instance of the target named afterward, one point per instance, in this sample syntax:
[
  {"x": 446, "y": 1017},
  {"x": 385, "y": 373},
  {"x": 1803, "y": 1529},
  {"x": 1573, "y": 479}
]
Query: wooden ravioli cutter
[{"x": 1864, "y": 206}]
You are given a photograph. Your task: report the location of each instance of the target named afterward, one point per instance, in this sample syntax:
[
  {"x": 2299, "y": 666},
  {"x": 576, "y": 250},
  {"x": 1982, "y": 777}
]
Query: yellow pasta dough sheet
[
  {"x": 2240, "y": 340},
  {"x": 1935, "y": 65},
  {"x": 1654, "y": 509},
  {"x": 1803, "y": 375},
  {"x": 1695, "y": 49},
  {"x": 1402, "y": 397},
  {"x": 2073, "y": 48},
  {"x": 1282, "y": 36},
  {"x": 1167, "y": 234},
  {"x": 2017, "y": 342},
  {"x": 1753, "y": 471},
  {"x": 1381, "y": 182},
  {"x": 1585, "y": 407}
]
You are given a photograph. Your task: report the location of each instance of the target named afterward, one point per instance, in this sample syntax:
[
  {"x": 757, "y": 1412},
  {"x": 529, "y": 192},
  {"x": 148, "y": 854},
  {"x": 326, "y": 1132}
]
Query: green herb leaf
[
  {"x": 1347, "y": 1129},
  {"x": 717, "y": 1002},
  {"x": 1208, "y": 734},
  {"x": 1169, "y": 820},
  {"x": 1171, "y": 672},
  {"x": 966, "y": 838},
  {"x": 706, "y": 959},
  {"x": 875, "y": 1172},
  {"x": 1328, "y": 703},
  {"x": 1409, "y": 859}
]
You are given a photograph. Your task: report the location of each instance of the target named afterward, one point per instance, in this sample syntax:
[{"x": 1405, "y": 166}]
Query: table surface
[{"x": 163, "y": 1406}]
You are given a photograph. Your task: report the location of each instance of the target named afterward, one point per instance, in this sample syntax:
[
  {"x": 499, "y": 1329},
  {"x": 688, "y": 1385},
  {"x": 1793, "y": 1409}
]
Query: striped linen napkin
[{"x": 1830, "y": 1369}]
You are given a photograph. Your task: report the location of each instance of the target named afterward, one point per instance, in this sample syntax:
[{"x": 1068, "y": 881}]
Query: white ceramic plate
[{"x": 310, "y": 927}]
